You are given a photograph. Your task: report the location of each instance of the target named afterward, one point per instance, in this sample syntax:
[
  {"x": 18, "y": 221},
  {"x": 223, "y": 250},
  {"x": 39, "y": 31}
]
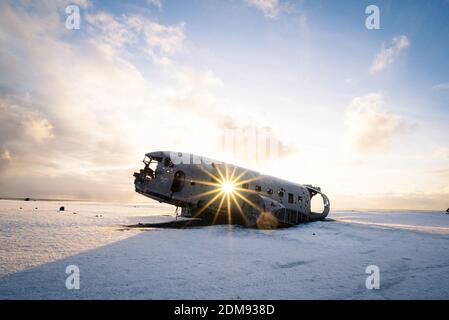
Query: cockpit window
[{"x": 151, "y": 167}]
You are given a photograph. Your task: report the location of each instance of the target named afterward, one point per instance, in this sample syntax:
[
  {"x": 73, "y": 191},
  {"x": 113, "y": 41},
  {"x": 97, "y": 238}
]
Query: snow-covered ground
[{"x": 321, "y": 260}]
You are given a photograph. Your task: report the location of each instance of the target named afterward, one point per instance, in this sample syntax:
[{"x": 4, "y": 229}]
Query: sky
[{"x": 361, "y": 112}]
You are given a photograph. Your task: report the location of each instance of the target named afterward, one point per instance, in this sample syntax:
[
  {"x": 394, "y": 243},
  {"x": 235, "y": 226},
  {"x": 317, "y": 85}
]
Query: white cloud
[
  {"x": 270, "y": 8},
  {"x": 165, "y": 39},
  {"x": 160, "y": 41},
  {"x": 21, "y": 122},
  {"x": 111, "y": 30},
  {"x": 157, "y": 3},
  {"x": 370, "y": 128},
  {"x": 38, "y": 129},
  {"x": 192, "y": 79},
  {"x": 441, "y": 86},
  {"x": 6, "y": 155},
  {"x": 389, "y": 54}
]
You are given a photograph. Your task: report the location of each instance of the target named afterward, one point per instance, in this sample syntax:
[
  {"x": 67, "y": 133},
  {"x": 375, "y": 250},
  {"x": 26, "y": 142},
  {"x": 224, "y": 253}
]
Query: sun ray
[
  {"x": 239, "y": 176},
  {"x": 210, "y": 174},
  {"x": 248, "y": 180},
  {"x": 247, "y": 201},
  {"x": 206, "y": 193},
  {"x": 207, "y": 205},
  {"x": 207, "y": 183},
  {"x": 229, "y": 208},
  {"x": 239, "y": 208},
  {"x": 231, "y": 178},
  {"x": 227, "y": 172},
  {"x": 220, "y": 173},
  {"x": 227, "y": 186},
  {"x": 218, "y": 210},
  {"x": 245, "y": 190}
]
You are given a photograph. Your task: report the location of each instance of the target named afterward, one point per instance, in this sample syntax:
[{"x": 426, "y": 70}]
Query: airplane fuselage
[{"x": 216, "y": 191}]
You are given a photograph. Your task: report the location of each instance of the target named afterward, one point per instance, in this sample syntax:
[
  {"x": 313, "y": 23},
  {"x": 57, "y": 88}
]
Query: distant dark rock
[
  {"x": 313, "y": 234},
  {"x": 74, "y": 213},
  {"x": 61, "y": 208},
  {"x": 27, "y": 199},
  {"x": 447, "y": 211}
]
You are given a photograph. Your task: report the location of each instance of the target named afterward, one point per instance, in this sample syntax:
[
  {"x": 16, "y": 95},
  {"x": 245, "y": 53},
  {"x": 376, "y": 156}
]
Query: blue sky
[{"x": 363, "y": 113}]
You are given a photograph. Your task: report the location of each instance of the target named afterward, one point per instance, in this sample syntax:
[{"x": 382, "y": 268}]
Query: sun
[
  {"x": 226, "y": 191},
  {"x": 228, "y": 187}
]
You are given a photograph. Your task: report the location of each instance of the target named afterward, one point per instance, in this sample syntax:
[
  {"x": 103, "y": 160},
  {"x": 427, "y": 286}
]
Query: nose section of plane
[
  {"x": 139, "y": 180},
  {"x": 143, "y": 178},
  {"x": 155, "y": 179}
]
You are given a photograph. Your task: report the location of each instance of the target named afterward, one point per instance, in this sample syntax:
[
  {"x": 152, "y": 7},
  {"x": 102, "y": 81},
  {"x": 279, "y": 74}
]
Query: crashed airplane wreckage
[{"x": 217, "y": 193}]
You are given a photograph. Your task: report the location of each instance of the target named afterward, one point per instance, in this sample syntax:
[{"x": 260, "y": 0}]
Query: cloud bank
[{"x": 78, "y": 111}]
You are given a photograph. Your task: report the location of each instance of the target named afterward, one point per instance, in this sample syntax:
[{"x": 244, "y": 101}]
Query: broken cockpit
[
  {"x": 150, "y": 169},
  {"x": 153, "y": 166}
]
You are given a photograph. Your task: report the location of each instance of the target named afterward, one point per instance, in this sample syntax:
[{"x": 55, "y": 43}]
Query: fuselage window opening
[
  {"x": 245, "y": 186},
  {"x": 281, "y": 193},
  {"x": 178, "y": 181},
  {"x": 168, "y": 163},
  {"x": 258, "y": 188},
  {"x": 270, "y": 191},
  {"x": 290, "y": 198}
]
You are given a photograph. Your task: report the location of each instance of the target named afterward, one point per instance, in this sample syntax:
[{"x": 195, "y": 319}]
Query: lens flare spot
[
  {"x": 267, "y": 221},
  {"x": 227, "y": 187}
]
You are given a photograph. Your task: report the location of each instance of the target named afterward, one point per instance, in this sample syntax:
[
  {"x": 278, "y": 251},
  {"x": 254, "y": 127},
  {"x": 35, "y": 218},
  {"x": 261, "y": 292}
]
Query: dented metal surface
[{"x": 217, "y": 192}]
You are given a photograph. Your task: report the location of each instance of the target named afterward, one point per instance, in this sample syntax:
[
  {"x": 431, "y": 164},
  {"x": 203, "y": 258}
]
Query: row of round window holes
[{"x": 258, "y": 189}]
